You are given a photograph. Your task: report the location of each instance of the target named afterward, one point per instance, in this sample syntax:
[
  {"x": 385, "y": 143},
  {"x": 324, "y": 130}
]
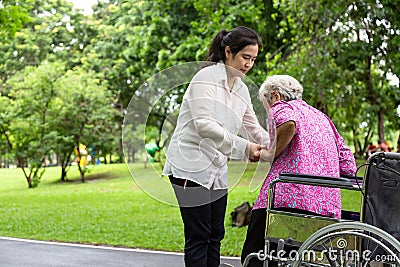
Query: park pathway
[{"x": 32, "y": 253}]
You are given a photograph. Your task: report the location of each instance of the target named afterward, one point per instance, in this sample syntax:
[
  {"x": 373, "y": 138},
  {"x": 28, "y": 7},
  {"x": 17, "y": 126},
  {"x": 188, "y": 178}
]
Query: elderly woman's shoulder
[{"x": 285, "y": 104}]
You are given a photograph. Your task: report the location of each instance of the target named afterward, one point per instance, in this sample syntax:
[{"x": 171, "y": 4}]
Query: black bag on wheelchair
[{"x": 382, "y": 193}]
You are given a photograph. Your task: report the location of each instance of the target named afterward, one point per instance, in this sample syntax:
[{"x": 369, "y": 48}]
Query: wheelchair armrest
[{"x": 352, "y": 183}]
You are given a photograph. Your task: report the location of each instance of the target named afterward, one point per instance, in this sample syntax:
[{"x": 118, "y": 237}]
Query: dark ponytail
[
  {"x": 236, "y": 39},
  {"x": 217, "y": 51}
]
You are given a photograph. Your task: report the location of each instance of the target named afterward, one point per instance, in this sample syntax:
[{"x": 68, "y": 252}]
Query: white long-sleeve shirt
[{"x": 210, "y": 118}]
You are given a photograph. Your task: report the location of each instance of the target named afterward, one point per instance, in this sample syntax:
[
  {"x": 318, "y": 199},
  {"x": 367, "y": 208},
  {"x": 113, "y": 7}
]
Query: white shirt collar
[{"x": 224, "y": 78}]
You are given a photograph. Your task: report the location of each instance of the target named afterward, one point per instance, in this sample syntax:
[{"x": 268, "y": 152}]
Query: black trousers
[
  {"x": 203, "y": 213},
  {"x": 255, "y": 237},
  {"x": 255, "y": 241}
]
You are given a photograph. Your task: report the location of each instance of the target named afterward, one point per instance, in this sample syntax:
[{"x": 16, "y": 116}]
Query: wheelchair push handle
[{"x": 384, "y": 155}]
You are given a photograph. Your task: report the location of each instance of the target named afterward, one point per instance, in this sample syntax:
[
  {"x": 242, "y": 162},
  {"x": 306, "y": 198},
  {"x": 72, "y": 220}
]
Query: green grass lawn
[{"x": 110, "y": 209}]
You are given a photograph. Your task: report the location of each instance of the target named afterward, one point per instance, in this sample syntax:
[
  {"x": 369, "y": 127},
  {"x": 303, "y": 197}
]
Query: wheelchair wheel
[{"x": 349, "y": 244}]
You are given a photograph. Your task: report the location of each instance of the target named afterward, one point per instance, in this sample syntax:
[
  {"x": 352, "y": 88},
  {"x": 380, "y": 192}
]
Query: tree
[
  {"x": 84, "y": 116},
  {"x": 134, "y": 41},
  {"x": 30, "y": 94},
  {"x": 48, "y": 111},
  {"x": 7, "y": 115},
  {"x": 156, "y": 36},
  {"x": 342, "y": 52},
  {"x": 340, "y": 56},
  {"x": 49, "y": 34}
]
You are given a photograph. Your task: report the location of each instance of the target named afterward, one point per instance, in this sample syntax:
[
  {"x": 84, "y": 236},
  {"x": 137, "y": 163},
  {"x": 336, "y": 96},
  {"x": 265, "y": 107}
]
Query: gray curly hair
[{"x": 286, "y": 85}]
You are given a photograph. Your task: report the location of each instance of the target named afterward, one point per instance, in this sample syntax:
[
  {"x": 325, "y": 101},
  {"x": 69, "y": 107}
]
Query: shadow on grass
[{"x": 88, "y": 178}]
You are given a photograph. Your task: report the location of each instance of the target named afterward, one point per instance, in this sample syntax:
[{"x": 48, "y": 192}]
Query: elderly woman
[{"x": 307, "y": 142}]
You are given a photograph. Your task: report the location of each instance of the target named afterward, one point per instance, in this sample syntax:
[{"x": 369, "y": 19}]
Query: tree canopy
[{"x": 68, "y": 78}]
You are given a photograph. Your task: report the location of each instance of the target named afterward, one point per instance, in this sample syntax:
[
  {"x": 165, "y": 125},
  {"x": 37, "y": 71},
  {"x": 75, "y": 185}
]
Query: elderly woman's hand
[{"x": 267, "y": 155}]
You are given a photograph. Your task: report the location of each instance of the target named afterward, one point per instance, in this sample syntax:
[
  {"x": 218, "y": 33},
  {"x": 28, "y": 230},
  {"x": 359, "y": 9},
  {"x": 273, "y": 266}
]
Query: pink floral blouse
[{"x": 316, "y": 148}]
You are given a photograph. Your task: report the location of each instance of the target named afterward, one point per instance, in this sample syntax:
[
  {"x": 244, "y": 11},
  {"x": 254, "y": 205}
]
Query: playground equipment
[{"x": 151, "y": 150}]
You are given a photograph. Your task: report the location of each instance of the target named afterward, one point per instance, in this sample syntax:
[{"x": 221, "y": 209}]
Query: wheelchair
[{"x": 369, "y": 237}]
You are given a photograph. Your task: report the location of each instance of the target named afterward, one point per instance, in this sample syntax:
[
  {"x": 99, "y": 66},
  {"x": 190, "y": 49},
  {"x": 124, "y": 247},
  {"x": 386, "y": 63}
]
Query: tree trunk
[
  {"x": 381, "y": 130},
  {"x": 63, "y": 173},
  {"x": 398, "y": 141},
  {"x": 81, "y": 171},
  {"x": 28, "y": 178},
  {"x": 355, "y": 142},
  {"x": 121, "y": 149},
  {"x": 64, "y": 161}
]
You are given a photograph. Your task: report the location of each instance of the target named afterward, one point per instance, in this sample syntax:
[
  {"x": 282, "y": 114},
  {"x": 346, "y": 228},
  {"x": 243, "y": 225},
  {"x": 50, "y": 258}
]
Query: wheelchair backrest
[{"x": 381, "y": 202}]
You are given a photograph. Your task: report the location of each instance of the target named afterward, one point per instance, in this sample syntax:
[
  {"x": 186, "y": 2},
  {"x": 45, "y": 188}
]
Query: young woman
[{"x": 215, "y": 108}]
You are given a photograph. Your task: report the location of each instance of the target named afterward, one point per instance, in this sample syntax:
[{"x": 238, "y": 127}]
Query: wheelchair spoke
[{"x": 353, "y": 245}]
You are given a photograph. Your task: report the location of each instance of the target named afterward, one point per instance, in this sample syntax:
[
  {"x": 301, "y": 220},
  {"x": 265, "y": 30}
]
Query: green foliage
[
  {"x": 52, "y": 111},
  {"x": 83, "y": 114},
  {"x": 12, "y": 19},
  {"x": 29, "y": 133},
  {"x": 51, "y": 33},
  {"x": 340, "y": 56},
  {"x": 341, "y": 51}
]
